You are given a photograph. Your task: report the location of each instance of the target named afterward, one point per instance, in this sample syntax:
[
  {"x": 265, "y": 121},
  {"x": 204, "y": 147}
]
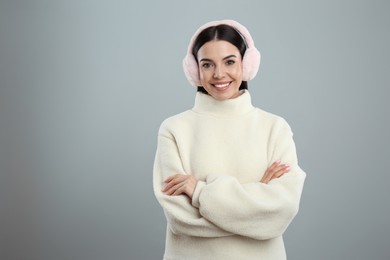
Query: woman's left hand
[
  {"x": 276, "y": 170},
  {"x": 180, "y": 184}
]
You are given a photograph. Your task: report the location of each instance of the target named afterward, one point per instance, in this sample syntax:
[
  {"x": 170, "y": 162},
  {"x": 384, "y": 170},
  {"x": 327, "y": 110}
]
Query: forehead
[{"x": 217, "y": 49}]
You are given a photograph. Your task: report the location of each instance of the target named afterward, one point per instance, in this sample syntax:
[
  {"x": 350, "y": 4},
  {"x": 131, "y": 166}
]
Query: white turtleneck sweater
[{"x": 227, "y": 146}]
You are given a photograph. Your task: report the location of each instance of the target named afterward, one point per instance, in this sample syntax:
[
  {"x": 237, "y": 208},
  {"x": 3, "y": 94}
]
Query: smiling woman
[
  {"x": 220, "y": 69},
  {"x": 225, "y": 173}
]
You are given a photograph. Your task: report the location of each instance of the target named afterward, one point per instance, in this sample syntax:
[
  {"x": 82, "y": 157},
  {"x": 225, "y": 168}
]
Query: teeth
[{"x": 221, "y": 85}]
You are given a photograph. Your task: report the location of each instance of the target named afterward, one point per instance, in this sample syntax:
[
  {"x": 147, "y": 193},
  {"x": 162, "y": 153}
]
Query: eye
[
  {"x": 206, "y": 65},
  {"x": 230, "y": 62}
]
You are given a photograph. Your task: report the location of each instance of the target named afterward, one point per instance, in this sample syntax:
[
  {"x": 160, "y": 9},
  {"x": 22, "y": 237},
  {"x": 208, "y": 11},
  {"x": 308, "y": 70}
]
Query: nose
[{"x": 218, "y": 72}]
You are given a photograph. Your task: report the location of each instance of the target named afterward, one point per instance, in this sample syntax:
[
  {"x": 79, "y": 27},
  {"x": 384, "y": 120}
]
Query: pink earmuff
[{"x": 250, "y": 61}]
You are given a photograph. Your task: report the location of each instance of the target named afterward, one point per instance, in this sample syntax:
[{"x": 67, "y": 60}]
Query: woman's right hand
[
  {"x": 180, "y": 184},
  {"x": 275, "y": 171}
]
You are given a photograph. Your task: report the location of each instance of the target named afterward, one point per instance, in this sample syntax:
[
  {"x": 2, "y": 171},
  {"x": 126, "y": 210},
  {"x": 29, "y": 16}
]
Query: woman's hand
[
  {"x": 180, "y": 184},
  {"x": 275, "y": 171}
]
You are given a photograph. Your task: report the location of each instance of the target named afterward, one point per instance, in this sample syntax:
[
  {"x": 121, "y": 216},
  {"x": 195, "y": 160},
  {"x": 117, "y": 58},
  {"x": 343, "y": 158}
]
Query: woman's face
[{"x": 220, "y": 69}]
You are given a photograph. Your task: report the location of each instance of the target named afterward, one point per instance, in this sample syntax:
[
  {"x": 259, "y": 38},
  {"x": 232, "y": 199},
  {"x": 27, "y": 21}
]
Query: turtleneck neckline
[{"x": 206, "y": 104}]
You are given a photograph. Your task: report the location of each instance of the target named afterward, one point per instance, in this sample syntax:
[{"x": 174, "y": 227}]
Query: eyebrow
[{"x": 227, "y": 57}]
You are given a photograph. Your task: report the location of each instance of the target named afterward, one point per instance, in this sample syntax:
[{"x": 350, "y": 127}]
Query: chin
[{"x": 223, "y": 96}]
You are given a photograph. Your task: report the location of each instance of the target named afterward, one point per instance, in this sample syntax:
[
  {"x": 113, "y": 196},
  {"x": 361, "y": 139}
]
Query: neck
[{"x": 206, "y": 104}]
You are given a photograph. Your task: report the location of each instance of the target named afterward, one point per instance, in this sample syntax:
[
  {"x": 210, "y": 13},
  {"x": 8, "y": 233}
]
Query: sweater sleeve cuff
[{"x": 196, "y": 194}]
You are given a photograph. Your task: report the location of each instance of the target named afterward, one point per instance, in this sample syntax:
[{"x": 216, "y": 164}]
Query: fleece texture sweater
[{"x": 227, "y": 146}]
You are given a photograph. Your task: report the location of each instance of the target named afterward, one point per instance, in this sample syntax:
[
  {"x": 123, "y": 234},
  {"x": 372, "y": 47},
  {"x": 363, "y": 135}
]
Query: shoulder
[
  {"x": 174, "y": 122},
  {"x": 272, "y": 120}
]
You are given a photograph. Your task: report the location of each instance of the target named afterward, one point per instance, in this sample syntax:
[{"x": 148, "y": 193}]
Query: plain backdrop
[{"x": 84, "y": 86}]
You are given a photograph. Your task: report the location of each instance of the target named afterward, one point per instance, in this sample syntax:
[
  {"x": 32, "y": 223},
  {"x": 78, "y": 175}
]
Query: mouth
[{"x": 221, "y": 86}]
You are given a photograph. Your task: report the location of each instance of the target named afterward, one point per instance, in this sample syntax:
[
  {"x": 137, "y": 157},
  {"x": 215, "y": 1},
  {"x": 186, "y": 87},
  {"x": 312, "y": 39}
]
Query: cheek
[
  {"x": 204, "y": 74},
  {"x": 236, "y": 72}
]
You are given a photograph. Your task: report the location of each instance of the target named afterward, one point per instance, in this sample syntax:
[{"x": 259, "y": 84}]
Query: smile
[{"x": 222, "y": 86}]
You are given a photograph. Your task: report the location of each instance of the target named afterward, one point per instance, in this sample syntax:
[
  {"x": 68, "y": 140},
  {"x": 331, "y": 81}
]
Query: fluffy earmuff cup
[
  {"x": 250, "y": 63},
  {"x": 191, "y": 70}
]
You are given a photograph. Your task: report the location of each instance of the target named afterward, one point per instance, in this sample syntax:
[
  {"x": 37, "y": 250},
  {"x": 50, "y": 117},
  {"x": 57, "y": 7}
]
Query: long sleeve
[
  {"x": 182, "y": 217},
  {"x": 256, "y": 210}
]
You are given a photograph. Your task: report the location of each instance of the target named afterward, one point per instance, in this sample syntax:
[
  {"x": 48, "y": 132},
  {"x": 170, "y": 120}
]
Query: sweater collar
[{"x": 206, "y": 104}]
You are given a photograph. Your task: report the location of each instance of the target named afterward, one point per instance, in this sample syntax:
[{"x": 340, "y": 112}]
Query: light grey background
[{"x": 86, "y": 84}]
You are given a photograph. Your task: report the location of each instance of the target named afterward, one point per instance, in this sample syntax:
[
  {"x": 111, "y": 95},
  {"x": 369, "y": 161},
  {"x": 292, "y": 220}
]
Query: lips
[{"x": 221, "y": 86}]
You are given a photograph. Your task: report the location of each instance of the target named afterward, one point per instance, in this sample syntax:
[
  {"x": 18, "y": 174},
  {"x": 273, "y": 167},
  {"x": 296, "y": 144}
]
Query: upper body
[
  {"x": 226, "y": 173},
  {"x": 232, "y": 215}
]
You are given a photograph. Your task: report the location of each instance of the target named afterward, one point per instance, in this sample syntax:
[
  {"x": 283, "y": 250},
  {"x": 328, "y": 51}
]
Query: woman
[{"x": 225, "y": 173}]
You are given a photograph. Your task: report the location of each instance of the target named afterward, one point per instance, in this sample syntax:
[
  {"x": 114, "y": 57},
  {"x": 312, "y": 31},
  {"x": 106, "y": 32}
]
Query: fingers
[
  {"x": 276, "y": 170},
  {"x": 172, "y": 181},
  {"x": 273, "y": 166},
  {"x": 179, "y": 184},
  {"x": 282, "y": 169},
  {"x": 176, "y": 189},
  {"x": 269, "y": 172}
]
